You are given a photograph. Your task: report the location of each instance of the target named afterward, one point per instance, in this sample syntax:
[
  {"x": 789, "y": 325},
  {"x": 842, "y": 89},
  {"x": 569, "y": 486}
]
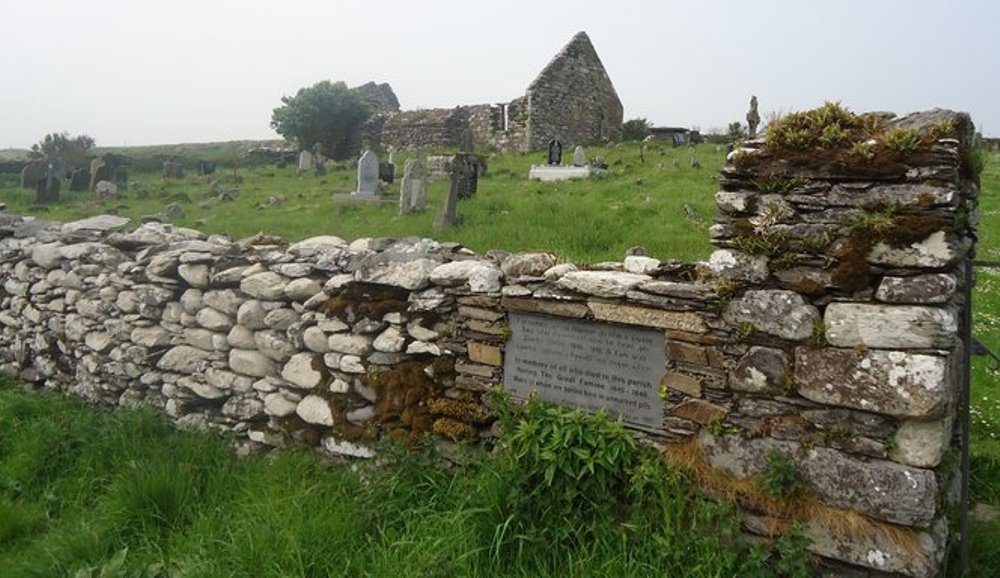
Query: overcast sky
[{"x": 156, "y": 72}]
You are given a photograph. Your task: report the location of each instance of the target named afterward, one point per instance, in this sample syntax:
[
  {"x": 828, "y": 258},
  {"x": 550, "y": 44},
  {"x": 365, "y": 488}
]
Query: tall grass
[{"x": 122, "y": 494}]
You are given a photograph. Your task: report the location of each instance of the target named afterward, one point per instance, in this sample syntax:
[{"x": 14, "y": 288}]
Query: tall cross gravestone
[
  {"x": 555, "y": 152},
  {"x": 367, "y": 175},
  {"x": 449, "y": 216},
  {"x": 413, "y": 189}
]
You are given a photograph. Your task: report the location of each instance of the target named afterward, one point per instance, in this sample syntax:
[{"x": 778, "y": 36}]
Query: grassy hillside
[{"x": 637, "y": 203}]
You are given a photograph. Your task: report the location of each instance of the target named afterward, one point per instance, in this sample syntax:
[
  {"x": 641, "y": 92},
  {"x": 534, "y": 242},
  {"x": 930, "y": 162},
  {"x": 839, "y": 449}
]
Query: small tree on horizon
[
  {"x": 326, "y": 113},
  {"x": 58, "y": 146},
  {"x": 736, "y": 131},
  {"x": 635, "y": 129}
]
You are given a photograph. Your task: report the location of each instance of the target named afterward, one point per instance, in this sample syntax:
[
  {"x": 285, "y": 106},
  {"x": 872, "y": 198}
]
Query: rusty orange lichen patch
[
  {"x": 453, "y": 429},
  {"x": 466, "y": 411}
]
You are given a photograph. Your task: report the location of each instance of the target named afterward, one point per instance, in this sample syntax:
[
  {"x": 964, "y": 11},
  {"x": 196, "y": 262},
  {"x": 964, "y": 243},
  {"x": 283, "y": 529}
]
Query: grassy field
[
  {"x": 637, "y": 202},
  {"x": 67, "y": 504}
]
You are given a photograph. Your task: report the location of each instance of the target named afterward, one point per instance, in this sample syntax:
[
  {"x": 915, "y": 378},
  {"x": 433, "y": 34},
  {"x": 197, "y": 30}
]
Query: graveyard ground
[{"x": 62, "y": 496}]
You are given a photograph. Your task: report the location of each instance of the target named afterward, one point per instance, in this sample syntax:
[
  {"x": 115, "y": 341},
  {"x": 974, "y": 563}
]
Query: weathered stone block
[
  {"x": 891, "y": 382},
  {"x": 600, "y": 283},
  {"x": 936, "y": 251},
  {"x": 884, "y": 490},
  {"x": 252, "y": 363},
  {"x": 776, "y": 312},
  {"x": 699, "y": 411},
  {"x": 890, "y": 326},
  {"x": 736, "y": 265},
  {"x": 933, "y": 288},
  {"x": 631, "y": 315},
  {"x": 485, "y": 353},
  {"x": 921, "y": 443},
  {"x": 681, "y": 382},
  {"x": 560, "y": 308},
  {"x": 761, "y": 369}
]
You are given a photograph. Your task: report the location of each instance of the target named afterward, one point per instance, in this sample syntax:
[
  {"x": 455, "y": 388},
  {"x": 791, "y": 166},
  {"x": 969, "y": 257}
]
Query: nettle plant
[{"x": 568, "y": 465}]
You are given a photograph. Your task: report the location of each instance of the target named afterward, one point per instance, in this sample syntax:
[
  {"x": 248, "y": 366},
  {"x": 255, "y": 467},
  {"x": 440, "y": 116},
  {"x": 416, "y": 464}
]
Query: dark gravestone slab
[
  {"x": 205, "y": 168},
  {"x": 555, "y": 152},
  {"x": 588, "y": 365},
  {"x": 386, "y": 172},
  {"x": 79, "y": 180}
]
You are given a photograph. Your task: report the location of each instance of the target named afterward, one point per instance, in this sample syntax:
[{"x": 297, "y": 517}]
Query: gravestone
[
  {"x": 392, "y": 154},
  {"x": 79, "y": 180},
  {"x": 579, "y": 157},
  {"x": 386, "y": 172},
  {"x": 753, "y": 117},
  {"x": 413, "y": 188},
  {"x": 367, "y": 175},
  {"x": 305, "y": 161},
  {"x": 205, "y": 168},
  {"x": 121, "y": 177},
  {"x": 173, "y": 170},
  {"x": 319, "y": 165},
  {"x": 588, "y": 365},
  {"x": 555, "y": 152},
  {"x": 31, "y": 173},
  {"x": 98, "y": 172},
  {"x": 47, "y": 187},
  {"x": 449, "y": 216}
]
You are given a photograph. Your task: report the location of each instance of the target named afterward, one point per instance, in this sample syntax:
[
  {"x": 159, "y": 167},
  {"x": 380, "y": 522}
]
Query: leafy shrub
[
  {"x": 780, "y": 479},
  {"x": 903, "y": 140},
  {"x": 635, "y": 129},
  {"x": 568, "y": 465}
]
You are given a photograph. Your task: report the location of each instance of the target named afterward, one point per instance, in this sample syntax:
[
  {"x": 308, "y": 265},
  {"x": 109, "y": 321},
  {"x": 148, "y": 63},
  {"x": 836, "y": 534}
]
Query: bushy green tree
[
  {"x": 635, "y": 129},
  {"x": 58, "y": 146},
  {"x": 736, "y": 131},
  {"x": 326, "y": 113}
]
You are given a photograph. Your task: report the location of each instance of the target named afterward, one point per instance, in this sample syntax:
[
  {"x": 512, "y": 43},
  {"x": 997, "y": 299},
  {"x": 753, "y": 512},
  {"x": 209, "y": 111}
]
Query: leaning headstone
[
  {"x": 106, "y": 189},
  {"x": 579, "y": 157},
  {"x": 98, "y": 172},
  {"x": 555, "y": 152},
  {"x": 305, "y": 161},
  {"x": 319, "y": 164},
  {"x": 367, "y": 175},
  {"x": 449, "y": 216},
  {"x": 413, "y": 188},
  {"x": 79, "y": 180},
  {"x": 392, "y": 154},
  {"x": 386, "y": 172}
]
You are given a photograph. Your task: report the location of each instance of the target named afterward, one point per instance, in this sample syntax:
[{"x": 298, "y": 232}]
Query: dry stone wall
[{"x": 822, "y": 333}]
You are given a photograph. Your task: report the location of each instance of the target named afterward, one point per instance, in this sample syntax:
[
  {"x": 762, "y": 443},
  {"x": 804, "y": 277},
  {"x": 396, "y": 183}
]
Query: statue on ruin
[{"x": 753, "y": 117}]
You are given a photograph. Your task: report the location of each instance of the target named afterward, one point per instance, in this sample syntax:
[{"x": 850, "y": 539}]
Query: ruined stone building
[{"x": 572, "y": 99}]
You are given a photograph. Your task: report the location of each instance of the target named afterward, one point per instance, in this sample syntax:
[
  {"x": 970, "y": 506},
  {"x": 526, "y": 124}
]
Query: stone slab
[
  {"x": 587, "y": 365},
  {"x": 548, "y": 174}
]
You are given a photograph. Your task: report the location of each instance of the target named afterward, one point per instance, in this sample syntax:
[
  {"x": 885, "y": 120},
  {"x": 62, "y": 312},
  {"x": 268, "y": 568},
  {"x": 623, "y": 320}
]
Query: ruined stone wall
[
  {"x": 427, "y": 129},
  {"x": 573, "y": 100},
  {"x": 821, "y": 333}
]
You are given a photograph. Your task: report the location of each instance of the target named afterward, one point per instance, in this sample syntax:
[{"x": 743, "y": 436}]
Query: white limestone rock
[
  {"x": 600, "y": 283},
  {"x": 781, "y": 313},
  {"x": 739, "y": 266},
  {"x": 890, "y": 326},
  {"x": 252, "y": 363},
  {"x": 389, "y": 341},
  {"x": 349, "y": 344},
  {"x": 265, "y": 285},
  {"x": 302, "y": 289},
  {"x": 195, "y": 274},
  {"x": 277, "y": 405},
  {"x": 301, "y": 371},
  {"x": 315, "y": 410},
  {"x": 641, "y": 264}
]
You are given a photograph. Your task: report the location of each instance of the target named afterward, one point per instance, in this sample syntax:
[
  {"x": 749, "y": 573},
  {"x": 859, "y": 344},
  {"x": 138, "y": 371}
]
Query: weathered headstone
[
  {"x": 392, "y": 154},
  {"x": 413, "y": 188},
  {"x": 555, "y": 152},
  {"x": 31, "y": 173},
  {"x": 579, "y": 157},
  {"x": 449, "y": 216},
  {"x": 47, "y": 189},
  {"x": 98, "y": 171},
  {"x": 121, "y": 177},
  {"x": 386, "y": 172},
  {"x": 587, "y": 364},
  {"x": 79, "y": 180},
  {"x": 205, "y": 168},
  {"x": 367, "y": 175},
  {"x": 173, "y": 170},
  {"x": 753, "y": 117},
  {"x": 305, "y": 161},
  {"x": 319, "y": 165}
]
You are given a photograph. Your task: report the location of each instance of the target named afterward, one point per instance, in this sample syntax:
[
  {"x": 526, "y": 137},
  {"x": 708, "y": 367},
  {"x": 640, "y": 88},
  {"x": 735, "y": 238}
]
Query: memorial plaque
[{"x": 587, "y": 364}]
